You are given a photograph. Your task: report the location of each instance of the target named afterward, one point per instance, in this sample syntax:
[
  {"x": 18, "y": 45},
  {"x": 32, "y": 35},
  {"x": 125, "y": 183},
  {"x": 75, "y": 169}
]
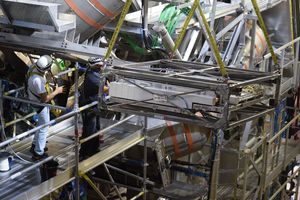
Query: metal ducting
[{"x": 93, "y": 15}]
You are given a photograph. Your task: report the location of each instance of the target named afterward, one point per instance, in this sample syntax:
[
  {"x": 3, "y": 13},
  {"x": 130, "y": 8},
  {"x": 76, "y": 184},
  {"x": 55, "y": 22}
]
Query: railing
[
  {"x": 274, "y": 159},
  {"x": 289, "y": 57}
]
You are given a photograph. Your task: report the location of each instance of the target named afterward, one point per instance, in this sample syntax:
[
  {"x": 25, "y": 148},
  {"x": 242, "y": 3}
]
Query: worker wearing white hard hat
[
  {"x": 36, "y": 89},
  {"x": 90, "y": 117}
]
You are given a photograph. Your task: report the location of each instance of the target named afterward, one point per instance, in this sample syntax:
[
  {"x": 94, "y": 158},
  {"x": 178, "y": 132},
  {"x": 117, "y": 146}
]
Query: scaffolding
[
  {"x": 73, "y": 169},
  {"x": 260, "y": 161}
]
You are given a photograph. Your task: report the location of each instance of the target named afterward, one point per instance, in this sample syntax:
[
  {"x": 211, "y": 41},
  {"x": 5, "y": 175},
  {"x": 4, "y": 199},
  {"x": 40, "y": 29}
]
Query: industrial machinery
[{"x": 203, "y": 99}]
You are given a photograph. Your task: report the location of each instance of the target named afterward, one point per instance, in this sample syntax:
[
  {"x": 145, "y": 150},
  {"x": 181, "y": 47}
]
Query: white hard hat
[
  {"x": 44, "y": 63},
  {"x": 93, "y": 61}
]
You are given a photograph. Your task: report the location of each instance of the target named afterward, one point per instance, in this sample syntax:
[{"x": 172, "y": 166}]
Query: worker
[
  {"x": 90, "y": 118},
  {"x": 36, "y": 89}
]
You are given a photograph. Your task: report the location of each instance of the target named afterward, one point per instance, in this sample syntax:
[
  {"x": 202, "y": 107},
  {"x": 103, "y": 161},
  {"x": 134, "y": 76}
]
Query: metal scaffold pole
[
  {"x": 1, "y": 113},
  {"x": 215, "y": 162},
  {"x": 76, "y": 108},
  {"x": 145, "y": 159}
]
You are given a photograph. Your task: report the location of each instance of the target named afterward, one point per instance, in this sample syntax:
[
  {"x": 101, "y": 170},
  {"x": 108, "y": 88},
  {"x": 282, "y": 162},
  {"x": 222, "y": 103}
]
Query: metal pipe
[
  {"x": 25, "y": 121},
  {"x": 15, "y": 126},
  {"x": 256, "y": 80},
  {"x": 278, "y": 145},
  {"x": 191, "y": 45},
  {"x": 20, "y": 173},
  {"x": 19, "y": 119},
  {"x": 2, "y": 136},
  {"x": 129, "y": 174},
  {"x": 283, "y": 129},
  {"x": 144, "y": 11},
  {"x": 65, "y": 72},
  {"x": 250, "y": 118},
  {"x": 282, "y": 47},
  {"x": 185, "y": 42},
  {"x": 104, "y": 130},
  {"x": 34, "y": 103},
  {"x": 265, "y": 168},
  {"x": 251, "y": 166},
  {"x": 264, "y": 162},
  {"x": 258, "y": 144},
  {"x": 250, "y": 143},
  {"x": 220, "y": 34},
  {"x": 212, "y": 15},
  {"x": 145, "y": 164},
  {"x": 112, "y": 180},
  {"x": 58, "y": 119},
  {"x": 13, "y": 91},
  {"x": 118, "y": 184},
  {"x": 227, "y": 56},
  {"x": 167, "y": 40},
  {"x": 76, "y": 106},
  {"x": 284, "y": 184},
  {"x": 246, "y": 160},
  {"x": 215, "y": 169},
  {"x": 296, "y": 67},
  {"x": 285, "y": 145}
]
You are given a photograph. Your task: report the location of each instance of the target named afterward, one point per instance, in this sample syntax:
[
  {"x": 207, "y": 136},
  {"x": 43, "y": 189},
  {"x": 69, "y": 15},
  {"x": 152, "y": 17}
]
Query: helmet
[
  {"x": 93, "y": 61},
  {"x": 44, "y": 63}
]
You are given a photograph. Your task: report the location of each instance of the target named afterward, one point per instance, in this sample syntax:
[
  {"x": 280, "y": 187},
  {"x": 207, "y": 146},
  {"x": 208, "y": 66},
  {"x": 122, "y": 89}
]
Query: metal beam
[{"x": 36, "y": 45}]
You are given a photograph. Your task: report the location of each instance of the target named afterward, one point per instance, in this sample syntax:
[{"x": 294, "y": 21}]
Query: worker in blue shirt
[{"x": 89, "y": 94}]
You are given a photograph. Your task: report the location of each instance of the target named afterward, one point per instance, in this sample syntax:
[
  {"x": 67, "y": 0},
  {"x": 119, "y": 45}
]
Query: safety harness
[{"x": 31, "y": 73}]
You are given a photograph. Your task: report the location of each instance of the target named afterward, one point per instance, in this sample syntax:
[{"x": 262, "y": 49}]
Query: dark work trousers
[{"x": 90, "y": 126}]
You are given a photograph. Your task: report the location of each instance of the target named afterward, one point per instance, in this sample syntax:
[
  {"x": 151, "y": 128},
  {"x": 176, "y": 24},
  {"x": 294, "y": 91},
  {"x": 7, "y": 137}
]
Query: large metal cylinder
[
  {"x": 260, "y": 47},
  {"x": 92, "y": 15},
  {"x": 182, "y": 139}
]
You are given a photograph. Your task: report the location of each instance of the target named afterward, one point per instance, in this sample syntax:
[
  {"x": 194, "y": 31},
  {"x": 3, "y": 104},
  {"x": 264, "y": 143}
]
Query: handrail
[
  {"x": 105, "y": 129},
  {"x": 58, "y": 119},
  {"x": 34, "y": 102},
  {"x": 283, "y": 129},
  {"x": 19, "y": 119},
  {"x": 267, "y": 56},
  {"x": 285, "y": 183}
]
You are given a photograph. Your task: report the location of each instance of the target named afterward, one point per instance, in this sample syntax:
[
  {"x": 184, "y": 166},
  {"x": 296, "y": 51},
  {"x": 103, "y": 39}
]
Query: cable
[
  {"x": 9, "y": 146},
  {"x": 3, "y": 126}
]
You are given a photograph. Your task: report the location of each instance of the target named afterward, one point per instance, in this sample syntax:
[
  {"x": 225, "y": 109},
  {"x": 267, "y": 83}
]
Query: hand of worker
[{"x": 59, "y": 90}]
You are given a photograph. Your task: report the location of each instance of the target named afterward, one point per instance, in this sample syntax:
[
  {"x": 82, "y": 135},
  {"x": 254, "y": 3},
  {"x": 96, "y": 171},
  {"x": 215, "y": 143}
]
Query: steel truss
[
  {"x": 252, "y": 164},
  {"x": 263, "y": 157},
  {"x": 197, "y": 77}
]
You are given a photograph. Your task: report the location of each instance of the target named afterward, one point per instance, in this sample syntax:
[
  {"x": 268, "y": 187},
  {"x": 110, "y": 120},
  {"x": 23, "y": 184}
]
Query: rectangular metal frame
[{"x": 191, "y": 75}]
